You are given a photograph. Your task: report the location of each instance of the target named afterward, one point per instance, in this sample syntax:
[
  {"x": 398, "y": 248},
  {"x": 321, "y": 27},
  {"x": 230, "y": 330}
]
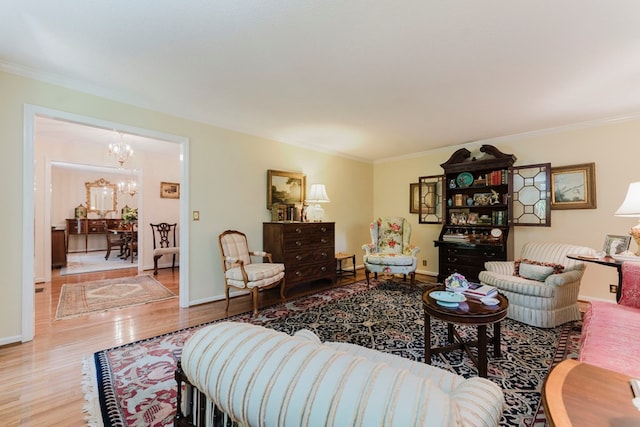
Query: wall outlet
[
  {"x": 424, "y": 262},
  {"x": 613, "y": 289}
]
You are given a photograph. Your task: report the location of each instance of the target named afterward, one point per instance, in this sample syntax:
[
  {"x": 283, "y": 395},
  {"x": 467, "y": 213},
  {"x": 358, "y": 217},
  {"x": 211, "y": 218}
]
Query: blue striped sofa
[
  {"x": 545, "y": 301},
  {"x": 260, "y": 377}
]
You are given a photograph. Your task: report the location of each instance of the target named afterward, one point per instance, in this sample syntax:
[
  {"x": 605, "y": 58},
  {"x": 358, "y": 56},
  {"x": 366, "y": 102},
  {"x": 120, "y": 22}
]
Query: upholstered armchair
[
  {"x": 241, "y": 273},
  {"x": 542, "y": 285},
  {"x": 390, "y": 251}
]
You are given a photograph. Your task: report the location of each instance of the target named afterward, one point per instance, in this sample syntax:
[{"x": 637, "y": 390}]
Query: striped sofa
[
  {"x": 260, "y": 377},
  {"x": 540, "y": 299}
]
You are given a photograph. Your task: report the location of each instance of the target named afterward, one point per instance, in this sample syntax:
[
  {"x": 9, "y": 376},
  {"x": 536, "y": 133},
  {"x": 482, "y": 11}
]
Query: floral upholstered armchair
[{"x": 390, "y": 251}]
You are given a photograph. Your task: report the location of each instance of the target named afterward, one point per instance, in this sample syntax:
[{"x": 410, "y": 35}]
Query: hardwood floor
[{"x": 40, "y": 381}]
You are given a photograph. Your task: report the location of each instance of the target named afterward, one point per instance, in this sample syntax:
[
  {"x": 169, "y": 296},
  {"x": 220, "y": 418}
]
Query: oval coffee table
[{"x": 469, "y": 312}]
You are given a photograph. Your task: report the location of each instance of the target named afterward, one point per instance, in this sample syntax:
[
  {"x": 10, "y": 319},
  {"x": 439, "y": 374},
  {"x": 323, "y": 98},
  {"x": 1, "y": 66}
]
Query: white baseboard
[{"x": 10, "y": 340}]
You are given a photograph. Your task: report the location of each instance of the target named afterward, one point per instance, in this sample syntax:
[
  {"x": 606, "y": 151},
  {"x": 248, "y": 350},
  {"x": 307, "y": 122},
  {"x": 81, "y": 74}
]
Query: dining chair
[
  {"x": 133, "y": 241},
  {"x": 164, "y": 243},
  {"x": 113, "y": 240}
]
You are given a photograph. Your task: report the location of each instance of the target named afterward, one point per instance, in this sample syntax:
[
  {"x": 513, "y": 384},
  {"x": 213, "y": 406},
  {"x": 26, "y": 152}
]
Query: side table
[
  {"x": 470, "y": 312},
  {"x": 341, "y": 256},
  {"x": 609, "y": 262}
]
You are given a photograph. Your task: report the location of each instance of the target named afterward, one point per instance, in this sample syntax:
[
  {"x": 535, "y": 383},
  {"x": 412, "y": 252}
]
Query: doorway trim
[{"x": 28, "y": 202}]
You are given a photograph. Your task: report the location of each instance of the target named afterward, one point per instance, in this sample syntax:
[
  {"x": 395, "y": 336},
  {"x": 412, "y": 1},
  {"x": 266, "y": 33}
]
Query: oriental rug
[
  {"x": 134, "y": 383},
  {"x": 81, "y": 298}
]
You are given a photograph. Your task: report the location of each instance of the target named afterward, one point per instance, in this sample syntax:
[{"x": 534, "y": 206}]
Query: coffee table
[{"x": 470, "y": 312}]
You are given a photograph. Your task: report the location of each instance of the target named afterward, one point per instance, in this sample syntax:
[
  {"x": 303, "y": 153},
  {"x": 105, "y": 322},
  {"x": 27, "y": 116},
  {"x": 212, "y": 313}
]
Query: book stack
[
  {"x": 455, "y": 238},
  {"x": 477, "y": 291}
]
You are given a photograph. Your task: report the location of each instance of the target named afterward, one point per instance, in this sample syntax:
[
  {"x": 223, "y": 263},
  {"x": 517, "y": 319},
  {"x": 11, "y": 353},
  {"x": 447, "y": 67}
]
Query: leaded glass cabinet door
[
  {"x": 530, "y": 188},
  {"x": 431, "y": 193}
]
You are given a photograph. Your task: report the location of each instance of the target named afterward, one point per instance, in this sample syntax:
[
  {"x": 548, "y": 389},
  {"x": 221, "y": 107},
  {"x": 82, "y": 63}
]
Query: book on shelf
[{"x": 477, "y": 290}]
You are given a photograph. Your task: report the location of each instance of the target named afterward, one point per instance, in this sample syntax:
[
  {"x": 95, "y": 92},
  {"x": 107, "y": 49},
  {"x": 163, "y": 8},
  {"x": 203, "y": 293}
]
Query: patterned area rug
[
  {"x": 94, "y": 261},
  {"x": 101, "y": 295},
  {"x": 135, "y": 384}
]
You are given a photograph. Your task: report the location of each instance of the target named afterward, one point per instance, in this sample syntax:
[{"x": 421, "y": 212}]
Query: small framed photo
[
  {"x": 573, "y": 187},
  {"x": 472, "y": 218},
  {"x": 169, "y": 190},
  {"x": 614, "y": 245}
]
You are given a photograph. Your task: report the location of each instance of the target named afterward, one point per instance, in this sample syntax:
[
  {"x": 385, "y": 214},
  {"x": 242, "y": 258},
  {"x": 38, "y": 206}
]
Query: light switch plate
[{"x": 196, "y": 215}]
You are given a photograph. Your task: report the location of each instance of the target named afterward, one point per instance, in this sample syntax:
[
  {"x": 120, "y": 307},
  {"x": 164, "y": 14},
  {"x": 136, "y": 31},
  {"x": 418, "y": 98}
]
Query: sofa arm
[
  {"x": 565, "y": 278},
  {"x": 500, "y": 267}
]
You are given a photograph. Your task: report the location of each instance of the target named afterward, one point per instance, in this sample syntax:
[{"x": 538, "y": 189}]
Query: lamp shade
[
  {"x": 318, "y": 194},
  {"x": 631, "y": 205}
]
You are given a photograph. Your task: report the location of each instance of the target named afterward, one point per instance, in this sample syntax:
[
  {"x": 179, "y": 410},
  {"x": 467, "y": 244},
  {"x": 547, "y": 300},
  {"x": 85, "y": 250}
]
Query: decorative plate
[
  {"x": 448, "y": 304},
  {"x": 496, "y": 232},
  {"x": 448, "y": 297},
  {"x": 464, "y": 179}
]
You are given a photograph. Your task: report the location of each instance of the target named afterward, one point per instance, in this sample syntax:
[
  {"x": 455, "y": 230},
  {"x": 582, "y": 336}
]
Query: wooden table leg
[
  {"x": 482, "y": 351},
  {"x": 450, "y": 336},
  {"x": 497, "y": 352},
  {"x": 427, "y": 338}
]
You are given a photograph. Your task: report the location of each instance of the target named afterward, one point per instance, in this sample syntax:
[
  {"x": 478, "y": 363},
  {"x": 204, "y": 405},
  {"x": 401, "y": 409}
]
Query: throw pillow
[{"x": 535, "y": 270}]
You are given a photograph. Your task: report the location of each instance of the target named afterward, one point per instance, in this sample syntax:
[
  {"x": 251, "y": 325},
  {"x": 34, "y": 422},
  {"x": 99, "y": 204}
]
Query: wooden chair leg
[
  {"x": 226, "y": 294},
  {"x": 173, "y": 263},
  {"x": 254, "y": 293},
  {"x": 282, "y": 289},
  {"x": 366, "y": 273},
  {"x": 413, "y": 278},
  {"x": 108, "y": 252},
  {"x": 155, "y": 265}
]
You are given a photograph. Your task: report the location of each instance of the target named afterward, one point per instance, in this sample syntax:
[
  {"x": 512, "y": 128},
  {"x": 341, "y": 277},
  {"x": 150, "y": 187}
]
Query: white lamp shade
[
  {"x": 318, "y": 194},
  {"x": 631, "y": 205}
]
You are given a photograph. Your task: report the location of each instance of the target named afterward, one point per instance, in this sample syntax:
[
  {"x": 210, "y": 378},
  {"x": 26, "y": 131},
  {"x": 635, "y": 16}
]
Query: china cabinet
[{"x": 481, "y": 198}]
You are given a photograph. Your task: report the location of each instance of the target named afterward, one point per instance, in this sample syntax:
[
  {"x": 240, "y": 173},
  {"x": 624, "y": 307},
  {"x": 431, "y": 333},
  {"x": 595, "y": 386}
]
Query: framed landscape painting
[
  {"x": 285, "y": 188},
  {"x": 573, "y": 187}
]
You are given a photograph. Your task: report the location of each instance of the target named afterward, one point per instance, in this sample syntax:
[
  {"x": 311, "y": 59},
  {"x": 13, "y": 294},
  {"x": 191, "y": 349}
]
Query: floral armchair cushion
[{"x": 390, "y": 235}]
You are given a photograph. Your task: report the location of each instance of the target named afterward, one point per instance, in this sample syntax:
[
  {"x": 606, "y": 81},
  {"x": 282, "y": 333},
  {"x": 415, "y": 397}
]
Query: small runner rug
[
  {"x": 100, "y": 295},
  {"x": 134, "y": 384}
]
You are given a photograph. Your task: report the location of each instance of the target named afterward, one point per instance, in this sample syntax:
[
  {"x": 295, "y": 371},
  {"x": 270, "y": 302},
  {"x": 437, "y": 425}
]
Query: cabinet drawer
[
  {"x": 306, "y": 256},
  {"x": 307, "y": 272}
]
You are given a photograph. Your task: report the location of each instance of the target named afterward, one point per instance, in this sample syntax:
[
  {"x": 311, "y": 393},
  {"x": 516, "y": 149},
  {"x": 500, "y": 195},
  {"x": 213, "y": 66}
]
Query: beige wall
[
  {"x": 612, "y": 146},
  {"x": 227, "y": 185}
]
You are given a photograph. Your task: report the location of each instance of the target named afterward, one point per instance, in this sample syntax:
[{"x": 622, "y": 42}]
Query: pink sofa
[{"x": 611, "y": 332}]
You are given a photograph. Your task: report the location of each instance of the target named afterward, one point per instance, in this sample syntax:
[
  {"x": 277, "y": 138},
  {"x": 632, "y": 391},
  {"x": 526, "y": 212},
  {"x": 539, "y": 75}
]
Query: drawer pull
[
  {"x": 323, "y": 268},
  {"x": 323, "y": 254},
  {"x": 298, "y": 273},
  {"x": 452, "y": 259},
  {"x": 324, "y": 229},
  {"x": 298, "y": 243},
  {"x": 323, "y": 240},
  {"x": 298, "y": 230},
  {"x": 298, "y": 257}
]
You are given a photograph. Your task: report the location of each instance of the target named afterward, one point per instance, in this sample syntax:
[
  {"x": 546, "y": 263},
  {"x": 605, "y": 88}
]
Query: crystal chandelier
[
  {"x": 120, "y": 151},
  {"x": 130, "y": 186}
]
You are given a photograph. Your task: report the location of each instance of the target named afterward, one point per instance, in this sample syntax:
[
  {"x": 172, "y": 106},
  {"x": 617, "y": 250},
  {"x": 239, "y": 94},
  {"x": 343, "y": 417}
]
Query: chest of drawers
[{"x": 305, "y": 248}]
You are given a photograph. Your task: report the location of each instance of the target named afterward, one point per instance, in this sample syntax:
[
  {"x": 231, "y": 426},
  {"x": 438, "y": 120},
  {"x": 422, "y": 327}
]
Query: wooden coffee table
[
  {"x": 579, "y": 394},
  {"x": 470, "y": 312}
]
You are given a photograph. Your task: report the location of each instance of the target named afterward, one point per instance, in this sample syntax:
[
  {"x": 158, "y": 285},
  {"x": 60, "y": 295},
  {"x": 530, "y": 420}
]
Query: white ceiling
[{"x": 369, "y": 79}]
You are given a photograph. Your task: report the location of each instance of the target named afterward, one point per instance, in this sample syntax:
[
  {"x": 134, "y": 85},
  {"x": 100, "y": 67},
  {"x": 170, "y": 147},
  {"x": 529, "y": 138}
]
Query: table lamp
[
  {"x": 317, "y": 195},
  {"x": 631, "y": 208}
]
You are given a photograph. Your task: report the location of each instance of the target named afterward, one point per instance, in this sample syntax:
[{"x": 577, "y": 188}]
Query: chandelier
[
  {"x": 130, "y": 186},
  {"x": 120, "y": 151}
]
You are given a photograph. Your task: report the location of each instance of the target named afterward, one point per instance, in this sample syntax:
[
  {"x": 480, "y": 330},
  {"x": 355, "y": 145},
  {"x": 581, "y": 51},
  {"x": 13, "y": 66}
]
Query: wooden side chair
[
  {"x": 113, "y": 240},
  {"x": 241, "y": 273},
  {"x": 164, "y": 243}
]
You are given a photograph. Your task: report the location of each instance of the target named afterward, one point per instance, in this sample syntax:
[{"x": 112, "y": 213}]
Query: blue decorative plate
[
  {"x": 448, "y": 297},
  {"x": 448, "y": 304},
  {"x": 464, "y": 179}
]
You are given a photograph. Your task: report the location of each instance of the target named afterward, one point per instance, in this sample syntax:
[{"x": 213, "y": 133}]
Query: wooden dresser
[
  {"x": 58, "y": 249},
  {"x": 305, "y": 248}
]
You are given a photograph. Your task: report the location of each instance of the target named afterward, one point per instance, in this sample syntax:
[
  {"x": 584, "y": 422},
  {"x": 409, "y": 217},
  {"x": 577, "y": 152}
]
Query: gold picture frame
[
  {"x": 573, "y": 187},
  {"x": 285, "y": 188},
  {"x": 169, "y": 190}
]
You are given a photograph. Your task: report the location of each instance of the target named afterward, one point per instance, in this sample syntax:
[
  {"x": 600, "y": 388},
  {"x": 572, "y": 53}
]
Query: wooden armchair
[
  {"x": 113, "y": 240},
  {"x": 241, "y": 273}
]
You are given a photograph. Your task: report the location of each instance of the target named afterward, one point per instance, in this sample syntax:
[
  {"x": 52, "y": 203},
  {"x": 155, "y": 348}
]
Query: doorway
[{"x": 34, "y": 175}]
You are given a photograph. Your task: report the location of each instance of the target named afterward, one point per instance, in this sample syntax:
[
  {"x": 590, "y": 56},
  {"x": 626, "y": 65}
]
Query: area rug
[
  {"x": 94, "y": 261},
  {"x": 134, "y": 383},
  {"x": 100, "y": 295}
]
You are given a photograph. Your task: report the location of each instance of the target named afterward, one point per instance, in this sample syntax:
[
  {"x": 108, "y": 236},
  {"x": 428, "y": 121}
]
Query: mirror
[{"x": 102, "y": 196}]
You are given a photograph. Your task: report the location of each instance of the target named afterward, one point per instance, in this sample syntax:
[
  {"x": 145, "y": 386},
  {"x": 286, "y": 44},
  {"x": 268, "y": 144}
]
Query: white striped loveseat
[
  {"x": 260, "y": 377},
  {"x": 542, "y": 298}
]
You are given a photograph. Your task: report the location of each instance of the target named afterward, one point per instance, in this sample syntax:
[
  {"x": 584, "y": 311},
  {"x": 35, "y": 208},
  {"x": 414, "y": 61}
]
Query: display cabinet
[{"x": 482, "y": 197}]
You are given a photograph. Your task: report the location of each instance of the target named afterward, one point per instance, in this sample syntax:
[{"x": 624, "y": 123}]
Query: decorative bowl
[{"x": 456, "y": 283}]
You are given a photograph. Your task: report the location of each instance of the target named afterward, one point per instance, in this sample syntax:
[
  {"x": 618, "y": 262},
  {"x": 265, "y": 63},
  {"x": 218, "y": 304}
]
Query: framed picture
[
  {"x": 169, "y": 190},
  {"x": 573, "y": 187},
  {"x": 614, "y": 245},
  {"x": 428, "y": 198},
  {"x": 285, "y": 188}
]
